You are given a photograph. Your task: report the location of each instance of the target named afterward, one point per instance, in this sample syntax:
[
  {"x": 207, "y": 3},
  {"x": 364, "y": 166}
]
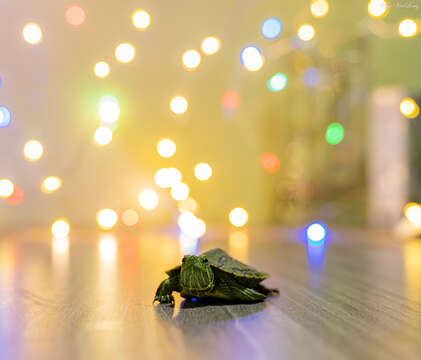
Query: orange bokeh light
[
  {"x": 17, "y": 197},
  {"x": 75, "y": 15},
  {"x": 230, "y": 100},
  {"x": 270, "y": 162}
]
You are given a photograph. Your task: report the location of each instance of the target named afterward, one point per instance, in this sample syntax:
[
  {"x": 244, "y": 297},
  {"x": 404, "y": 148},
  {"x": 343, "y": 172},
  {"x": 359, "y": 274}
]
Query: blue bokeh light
[
  {"x": 248, "y": 53},
  {"x": 316, "y": 232},
  {"x": 271, "y": 28},
  {"x": 1, "y": 81},
  {"x": 5, "y": 117},
  {"x": 311, "y": 77}
]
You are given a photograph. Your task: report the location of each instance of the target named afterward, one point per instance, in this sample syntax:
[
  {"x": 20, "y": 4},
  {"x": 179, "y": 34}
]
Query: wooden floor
[{"x": 356, "y": 296}]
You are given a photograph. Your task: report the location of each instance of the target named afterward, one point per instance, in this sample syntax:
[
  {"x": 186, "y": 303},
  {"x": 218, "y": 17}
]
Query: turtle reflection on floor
[{"x": 214, "y": 274}]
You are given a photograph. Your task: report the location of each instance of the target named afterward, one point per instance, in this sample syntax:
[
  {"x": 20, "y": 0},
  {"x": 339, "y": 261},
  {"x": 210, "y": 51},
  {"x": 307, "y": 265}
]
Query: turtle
[{"x": 216, "y": 275}]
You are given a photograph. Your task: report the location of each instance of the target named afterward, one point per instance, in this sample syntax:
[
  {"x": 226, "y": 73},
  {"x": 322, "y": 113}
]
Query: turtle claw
[{"x": 164, "y": 299}]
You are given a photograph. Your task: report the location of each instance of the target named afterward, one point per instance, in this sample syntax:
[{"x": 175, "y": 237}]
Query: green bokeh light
[
  {"x": 277, "y": 82},
  {"x": 335, "y": 133}
]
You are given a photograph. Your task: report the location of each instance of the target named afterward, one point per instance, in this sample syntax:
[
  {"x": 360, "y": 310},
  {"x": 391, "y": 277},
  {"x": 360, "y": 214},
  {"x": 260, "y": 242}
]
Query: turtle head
[{"x": 196, "y": 276}]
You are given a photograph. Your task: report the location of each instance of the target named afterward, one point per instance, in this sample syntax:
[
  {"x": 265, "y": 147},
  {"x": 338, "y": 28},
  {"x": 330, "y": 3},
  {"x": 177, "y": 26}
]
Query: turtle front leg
[{"x": 164, "y": 292}]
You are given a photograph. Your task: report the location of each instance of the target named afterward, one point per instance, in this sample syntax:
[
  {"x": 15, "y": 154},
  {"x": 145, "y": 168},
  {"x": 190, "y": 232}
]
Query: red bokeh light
[
  {"x": 230, "y": 100},
  {"x": 270, "y": 162},
  {"x": 75, "y": 15},
  {"x": 17, "y": 197}
]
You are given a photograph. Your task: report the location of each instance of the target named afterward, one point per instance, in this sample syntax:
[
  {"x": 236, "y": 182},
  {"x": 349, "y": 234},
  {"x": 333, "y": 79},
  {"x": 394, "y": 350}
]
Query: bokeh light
[
  {"x": 189, "y": 205},
  {"x": 230, "y": 100},
  {"x": 5, "y": 117},
  {"x": 166, "y": 148},
  {"x": 210, "y": 45},
  {"x": 311, "y": 77},
  {"x": 408, "y": 28},
  {"x": 409, "y": 108},
  {"x": 17, "y": 197},
  {"x": 238, "y": 217},
  {"x": 148, "y": 199},
  {"x": 125, "y": 53},
  {"x": 180, "y": 192},
  {"x": 412, "y": 212},
  {"x": 102, "y": 69},
  {"x": 6, "y": 188},
  {"x": 109, "y": 109},
  {"x": 103, "y": 136},
  {"x": 377, "y": 8},
  {"x": 51, "y": 184},
  {"x": 316, "y": 232},
  {"x": 191, "y": 59},
  {"x": 335, "y": 133},
  {"x": 106, "y": 218},
  {"x": 277, "y": 82},
  {"x": 190, "y": 225},
  {"x": 33, "y": 150},
  {"x": 179, "y": 105},
  {"x": 251, "y": 58},
  {"x": 60, "y": 228},
  {"x": 167, "y": 177},
  {"x": 60, "y": 245},
  {"x": 32, "y": 33},
  {"x": 75, "y": 15},
  {"x": 108, "y": 248},
  {"x": 319, "y": 8},
  {"x": 203, "y": 171},
  {"x": 130, "y": 217},
  {"x": 141, "y": 19},
  {"x": 270, "y": 162},
  {"x": 306, "y": 32},
  {"x": 271, "y": 28}
]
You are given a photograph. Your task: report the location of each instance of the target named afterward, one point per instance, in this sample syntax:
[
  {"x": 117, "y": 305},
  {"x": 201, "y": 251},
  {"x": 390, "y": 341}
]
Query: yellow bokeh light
[
  {"x": 190, "y": 225},
  {"x": 191, "y": 59},
  {"x": 109, "y": 109},
  {"x": 306, "y": 32},
  {"x": 319, "y": 8},
  {"x": 7, "y": 188},
  {"x": 106, "y": 219},
  {"x": 166, "y": 148},
  {"x": 408, "y": 28},
  {"x": 103, "y": 136},
  {"x": 210, "y": 45},
  {"x": 179, "y": 105},
  {"x": 238, "y": 217},
  {"x": 102, "y": 69},
  {"x": 33, "y": 150},
  {"x": 413, "y": 213},
  {"x": 189, "y": 205},
  {"x": 377, "y": 8},
  {"x": 180, "y": 192},
  {"x": 167, "y": 177},
  {"x": 409, "y": 108},
  {"x": 125, "y": 53},
  {"x": 60, "y": 228},
  {"x": 252, "y": 58},
  {"x": 130, "y": 217},
  {"x": 51, "y": 184},
  {"x": 141, "y": 19},
  {"x": 32, "y": 33},
  {"x": 203, "y": 171},
  {"x": 148, "y": 199}
]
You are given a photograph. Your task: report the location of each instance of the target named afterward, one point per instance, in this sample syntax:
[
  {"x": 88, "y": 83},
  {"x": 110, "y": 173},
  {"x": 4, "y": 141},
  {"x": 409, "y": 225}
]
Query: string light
[
  {"x": 277, "y": 82},
  {"x": 5, "y": 117},
  {"x": 166, "y": 148},
  {"x": 130, "y": 217},
  {"x": 377, "y": 8},
  {"x": 33, "y": 150},
  {"x": 109, "y": 109},
  {"x": 75, "y": 15},
  {"x": 6, "y": 188},
  {"x": 412, "y": 212},
  {"x": 203, "y": 171},
  {"x": 125, "y": 53},
  {"x": 238, "y": 217},
  {"x": 148, "y": 199},
  {"x": 319, "y": 8},
  {"x": 167, "y": 177},
  {"x": 190, "y": 225},
  {"x": 251, "y": 58},
  {"x": 60, "y": 228},
  {"x": 191, "y": 59},
  {"x": 230, "y": 100},
  {"x": 103, "y": 136},
  {"x": 180, "y": 192},
  {"x": 141, "y": 19},
  {"x": 409, "y": 108},
  {"x": 51, "y": 184},
  {"x": 178, "y": 105},
  {"x": 335, "y": 133},
  {"x": 306, "y": 32},
  {"x": 106, "y": 218},
  {"x": 270, "y": 162},
  {"x": 316, "y": 232},
  {"x": 32, "y": 33},
  {"x": 210, "y": 45},
  {"x": 102, "y": 69},
  {"x": 408, "y": 28}
]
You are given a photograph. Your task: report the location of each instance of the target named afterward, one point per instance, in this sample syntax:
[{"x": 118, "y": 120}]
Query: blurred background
[{"x": 200, "y": 113}]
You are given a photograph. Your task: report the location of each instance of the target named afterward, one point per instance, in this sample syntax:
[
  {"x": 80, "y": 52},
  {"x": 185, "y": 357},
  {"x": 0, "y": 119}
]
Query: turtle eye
[
  {"x": 205, "y": 260},
  {"x": 184, "y": 259}
]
